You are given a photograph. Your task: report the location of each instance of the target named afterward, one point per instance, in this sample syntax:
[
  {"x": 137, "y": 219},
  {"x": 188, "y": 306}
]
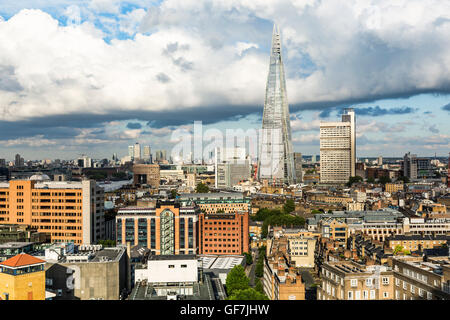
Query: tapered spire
[
  {"x": 276, "y": 40},
  {"x": 276, "y": 158}
]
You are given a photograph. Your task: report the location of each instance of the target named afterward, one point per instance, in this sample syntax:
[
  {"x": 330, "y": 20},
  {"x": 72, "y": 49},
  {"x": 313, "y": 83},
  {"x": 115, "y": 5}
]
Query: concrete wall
[{"x": 159, "y": 270}]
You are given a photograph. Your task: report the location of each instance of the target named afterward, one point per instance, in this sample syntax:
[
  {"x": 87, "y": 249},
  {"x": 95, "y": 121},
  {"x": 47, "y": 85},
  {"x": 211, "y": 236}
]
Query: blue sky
[{"x": 93, "y": 76}]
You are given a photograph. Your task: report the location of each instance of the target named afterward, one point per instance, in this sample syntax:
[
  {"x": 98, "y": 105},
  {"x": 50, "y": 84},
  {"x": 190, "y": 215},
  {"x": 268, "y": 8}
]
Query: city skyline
[{"x": 152, "y": 50}]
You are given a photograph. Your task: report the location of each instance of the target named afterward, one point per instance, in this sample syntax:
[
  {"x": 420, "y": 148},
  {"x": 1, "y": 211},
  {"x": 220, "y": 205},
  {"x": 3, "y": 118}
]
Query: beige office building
[
  {"x": 348, "y": 280},
  {"x": 338, "y": 149}
]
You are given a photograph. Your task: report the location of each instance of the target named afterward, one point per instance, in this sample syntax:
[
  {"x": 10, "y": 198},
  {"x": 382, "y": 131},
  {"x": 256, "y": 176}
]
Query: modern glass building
[{"x": 276, "y": 159}]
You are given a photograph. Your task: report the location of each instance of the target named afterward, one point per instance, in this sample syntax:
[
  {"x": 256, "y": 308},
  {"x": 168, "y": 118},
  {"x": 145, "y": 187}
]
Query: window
[
  {"x": 350, "y": 295},
  {"x": 429, "y": 296},
  {"x": 372, "y": 294},
  {"x": 354, "y": 282},
  {"x": 420, "y": 292},
  {"x": 171, "y": 266},
  {"x": 369, "y": 282},
  {"x": 385, "y": 280},
  {"x": 385, "y": 294},
  {"x": 358, "y": 295},
  {"x": 184, "y": 265},
  {"x": 365, "y": 295},
  {"x": 397, "y": 282}
]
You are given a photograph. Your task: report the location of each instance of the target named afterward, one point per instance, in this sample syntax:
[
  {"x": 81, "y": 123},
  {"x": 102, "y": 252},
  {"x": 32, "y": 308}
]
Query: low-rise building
[
  {"x": 91, "y": 273},
  {"x": 167, "y": 228},
  {"x": 416, "y": 242},
  {"x": 421, "y": 278},
  {"x": 146, "y": 175},
  {"x": 22, "y": 233},
  {"x": 280, "y": 281},
  {"x": 394, "y": 187},
  {"x": 22, "y": 277},
  {"x": 223, "y": 233},
  {"x": 184, "y": 277},
  {"x": 227, "y": 202},
  {"x": 335, "y": 229},
  {"x": 348, "y": 280},
  {"x": 301, "y": 251}
]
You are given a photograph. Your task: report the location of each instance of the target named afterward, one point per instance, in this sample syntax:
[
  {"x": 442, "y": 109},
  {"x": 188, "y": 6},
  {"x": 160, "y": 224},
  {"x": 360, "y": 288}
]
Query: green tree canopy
[
  {"x": 264, "y": 213},
  {"x": 371, "y": 180},
  {"x": 107, "y": 243},
  {"x": 120, "y": 175},
  {"x": 404, "y": 179},
  {"x": 259, "y": 269},
  {"x": 236, "y": 280},
  {"x": 248, "y": 258},
  {"x": 247, "y": 294},
  {"x": 289, "y": 206},
  {"x": 384, "y": 180},
  {"x": 353, "y": 180},
  {"x": 259, "y": 286},
  {"x": 202, "y": 188}
]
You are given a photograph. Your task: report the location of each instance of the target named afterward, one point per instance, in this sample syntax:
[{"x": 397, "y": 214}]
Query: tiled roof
[{"x": 21, "y": 260}]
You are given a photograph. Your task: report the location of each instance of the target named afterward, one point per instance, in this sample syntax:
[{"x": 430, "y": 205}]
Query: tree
[
  {"x": 353, "y": 180},
  {"x": 289, "y": 206},
  {"x": 248, "y": 258},
  {"x": 236, "y": 280},
  {"x": 247, "y": 294},
  {"x": 404, "y": 179},
  {"x": 120, "y": 175},
  {"x": 371, "y": 180},
  {"x": 259, "y": 286},
  {"x": 173, "y": 193},
  {"x": 259, "y": 269},
  {"x": 202, "y": 188},
  {"x": 384, "y": 180},
  {"x": 107, "y": 243}
]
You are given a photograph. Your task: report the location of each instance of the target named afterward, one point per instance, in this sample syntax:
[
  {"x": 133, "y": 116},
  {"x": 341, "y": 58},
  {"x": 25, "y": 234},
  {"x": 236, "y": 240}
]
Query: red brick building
[{"x": 223, "y": 233}]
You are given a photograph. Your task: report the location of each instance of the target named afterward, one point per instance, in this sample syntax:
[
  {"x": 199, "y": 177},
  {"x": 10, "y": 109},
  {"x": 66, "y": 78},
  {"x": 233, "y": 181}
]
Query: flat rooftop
[
  {"x": 433, "y": 264},
  {"x": 173, "y": 257},
  {"x": 108, "y": 254},
  {"x": 220, "y": 262},
  {"x": 201, "y": 291},
  {"x": 14, "y": 245}
]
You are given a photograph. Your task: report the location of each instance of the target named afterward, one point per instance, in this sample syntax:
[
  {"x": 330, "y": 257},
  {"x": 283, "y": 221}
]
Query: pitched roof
[{"x": 21, "y": 260}]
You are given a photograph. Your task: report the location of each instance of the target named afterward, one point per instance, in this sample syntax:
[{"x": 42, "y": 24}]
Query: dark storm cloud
[
  {"x": 325, "y": 113},
  {"x": 134, "y": 125},
  {"x": 70, "y": 125},
  {"x": 377, "y": 111}
]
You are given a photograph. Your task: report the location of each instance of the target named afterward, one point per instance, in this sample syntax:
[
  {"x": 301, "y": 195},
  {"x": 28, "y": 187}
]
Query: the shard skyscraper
[{"x": 276, "y": 157}]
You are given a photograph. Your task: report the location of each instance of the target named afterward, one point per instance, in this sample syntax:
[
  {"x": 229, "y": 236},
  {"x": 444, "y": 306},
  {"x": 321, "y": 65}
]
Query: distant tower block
[{"x": 448, "y": 171}]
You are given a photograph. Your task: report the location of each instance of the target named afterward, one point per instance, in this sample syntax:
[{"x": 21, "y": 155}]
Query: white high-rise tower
[{"x": 338, "y": 149}]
